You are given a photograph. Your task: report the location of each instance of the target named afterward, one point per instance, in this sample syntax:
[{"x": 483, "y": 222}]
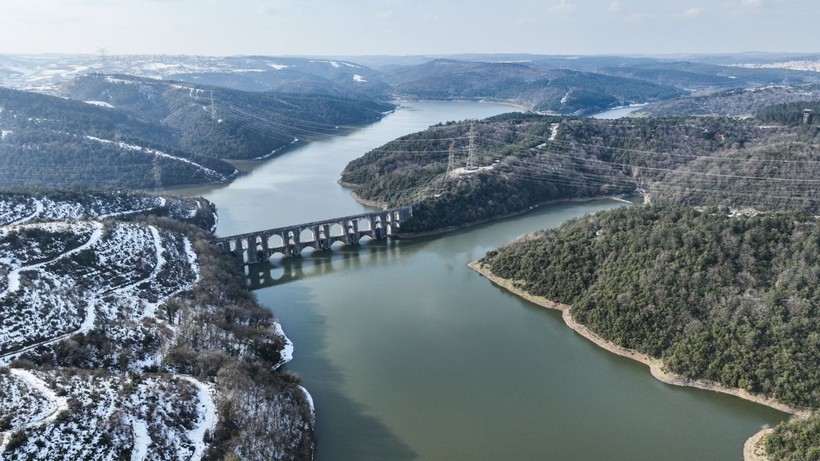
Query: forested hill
[
  {"x": 549, "y": 90},
  {"x": 737, "y": 102},
  {"x": 524, "y": 160},
  {"x": 126, "y": 132},
  {"x": 47, "y": 141},
  {"x": 730, "y": 298},
  {"x": 224, "y": 123},
  {"x": 138, "y": 337},
  {"x": 727, "y": 298}
]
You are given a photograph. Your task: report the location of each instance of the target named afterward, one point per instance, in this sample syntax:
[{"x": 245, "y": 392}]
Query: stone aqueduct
[{"x": 258, "y": 247}]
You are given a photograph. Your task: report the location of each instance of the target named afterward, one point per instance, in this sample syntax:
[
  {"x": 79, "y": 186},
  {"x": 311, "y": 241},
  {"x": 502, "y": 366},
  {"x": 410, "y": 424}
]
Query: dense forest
[
  {"x": 731, "y": 298},
  {"x": 728, "y": 298},
  {"x": 796, "y": 441},
  {"x": 791, "y": 113},
  {"x": 778, "y": 176},
  {"x": 523, "y": 160}
]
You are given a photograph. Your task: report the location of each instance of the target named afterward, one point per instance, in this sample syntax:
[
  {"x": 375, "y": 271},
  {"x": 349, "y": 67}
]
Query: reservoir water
[{"x": 409, "y": 354}]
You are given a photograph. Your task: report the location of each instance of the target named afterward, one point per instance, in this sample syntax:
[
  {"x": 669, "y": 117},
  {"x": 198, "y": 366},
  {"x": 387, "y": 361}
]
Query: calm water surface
[{"x": 411, "y": 355}]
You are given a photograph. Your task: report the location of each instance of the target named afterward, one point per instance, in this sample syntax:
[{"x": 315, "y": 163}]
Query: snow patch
[
  {"x": 207, "y": 417},
  {"x": 110, "y": 79},
  {"x": 335, "y": 64},
  {"x": 141, "y": 440},
  {"x": 58, "y": 403},
  {"x": 278, "y": 66},
  {"x": 309, "y": 401},
  {"x": 208, "y": 172},
  {"x": 192, "y": 259},
  {"x": 14, "y": 275},
  {"x": 100, "y": 104},
  {"x": 463, "y": 171},
  {"x": 274, "y": 151},
  {"x": 5, "y": 133},
  {"x": 38, "y": 210},
  {"x": 554, "y": 133},
  {"x": 359, "y": 78},
  {"x": 287, "y": 351},
  {"x": 566, "y": 97}
]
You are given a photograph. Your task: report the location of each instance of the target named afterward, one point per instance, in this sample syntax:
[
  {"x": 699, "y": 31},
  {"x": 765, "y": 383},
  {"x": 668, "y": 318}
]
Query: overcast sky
[{"x": 408, "y": 27}]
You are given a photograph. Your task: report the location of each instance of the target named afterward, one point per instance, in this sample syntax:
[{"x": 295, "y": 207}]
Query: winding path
[{"x": 58, "y": 403}]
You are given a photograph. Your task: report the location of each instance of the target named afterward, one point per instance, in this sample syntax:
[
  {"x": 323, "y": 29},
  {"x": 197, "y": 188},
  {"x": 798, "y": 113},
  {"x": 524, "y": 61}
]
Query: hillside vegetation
[
  {"x": 127, "y": 132},
  {"x": 224, "y": 123},
  {"x": 731, "y": 299},
  {"x": 724, "y": 297},
  {"x": 525, "y": 160},
  {"x": 47, "y": 141},
  {"x": 138, "y": 338}
]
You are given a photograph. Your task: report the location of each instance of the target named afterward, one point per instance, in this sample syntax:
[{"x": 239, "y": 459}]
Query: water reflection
[
  {"x": 363, "y": 437},
  {"x": 286, "y": 270}
]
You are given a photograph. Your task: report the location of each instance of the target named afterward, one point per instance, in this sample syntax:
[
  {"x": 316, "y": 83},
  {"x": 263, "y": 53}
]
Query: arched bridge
[{"x": 257, "y": 247}]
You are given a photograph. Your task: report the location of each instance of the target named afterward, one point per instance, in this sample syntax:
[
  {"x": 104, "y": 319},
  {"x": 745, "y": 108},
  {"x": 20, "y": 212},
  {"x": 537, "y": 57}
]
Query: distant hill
[
  {"x": 704, "y": 77},
  {"x": 141, "y": 133},
  {"x": 556, "y": 91},
  {"x": 578, "y": 85},
  {"x": 224, "y": 123},
  {"x": 332, "y": 77},
  {"x": 47, "y": 141},
  {"x": 740, "y": 102}
]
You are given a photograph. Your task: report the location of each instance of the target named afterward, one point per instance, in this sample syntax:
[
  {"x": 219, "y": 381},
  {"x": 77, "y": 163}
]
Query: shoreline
[
  {"x": 444, "y": 230},
  {"x": 513, "y": 214},
  {"x": 752, "y": 448}
]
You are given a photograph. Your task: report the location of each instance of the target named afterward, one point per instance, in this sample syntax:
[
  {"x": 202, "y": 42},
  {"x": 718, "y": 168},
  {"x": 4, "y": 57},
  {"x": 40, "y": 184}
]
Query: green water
[{"x": 409, "y": 354}]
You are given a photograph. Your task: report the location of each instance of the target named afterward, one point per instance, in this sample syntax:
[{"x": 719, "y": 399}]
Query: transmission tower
[
  {"x": 451, "y": 162},
  {"x": 471, "y": 155}
]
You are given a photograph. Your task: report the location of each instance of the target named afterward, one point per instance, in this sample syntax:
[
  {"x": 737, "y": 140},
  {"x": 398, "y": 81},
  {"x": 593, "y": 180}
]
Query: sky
[{"x": 407, "y": 27}]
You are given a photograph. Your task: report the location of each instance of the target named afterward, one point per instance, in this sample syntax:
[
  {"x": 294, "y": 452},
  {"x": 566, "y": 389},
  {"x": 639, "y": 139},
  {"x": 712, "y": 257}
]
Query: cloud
[
  {"x": 564, "y": 7},
  {"x": 614, "y": 6},
  {"x": 693, "y": 12},
  {"x": 751, "y": 3}
]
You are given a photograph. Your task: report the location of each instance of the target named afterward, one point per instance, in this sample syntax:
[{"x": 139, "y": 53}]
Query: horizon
[{"x": 289, "y": 28}]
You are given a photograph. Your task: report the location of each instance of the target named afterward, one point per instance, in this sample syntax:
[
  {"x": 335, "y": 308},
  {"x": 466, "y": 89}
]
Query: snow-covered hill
[
  {"x": 115, "y": 343},
  {"x": 18, "y": 208}
]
